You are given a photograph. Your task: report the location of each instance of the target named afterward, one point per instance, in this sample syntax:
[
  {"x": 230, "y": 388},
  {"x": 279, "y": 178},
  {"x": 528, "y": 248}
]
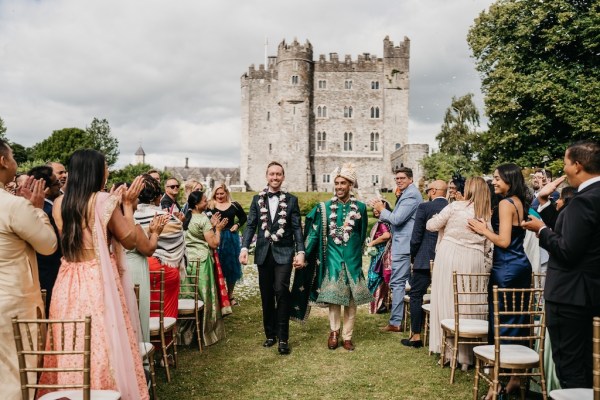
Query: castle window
[
  {"x": 295, "y": 64},
  {"x": 374, "y": 112},
  {"x": 374, "y": 141},
  {"x": 374, "y": 179},
  {"x": 268, "y": 88},
  {"x": 270, "y": 148},
  {"x": 294, "y": 79},
  {"x": 347, "y": 141},
  {"x": 348, "y": 112},
  {"x": 268, "y": 115},
  {"x": 326, "y": 178},
  {"x": 374, "y": 85},
  {"x": 322, "y": 84},
  {"x": 322, "y": 112},
  {"x": 321, "y": 141},
  {"x": 348, "y": 84}
]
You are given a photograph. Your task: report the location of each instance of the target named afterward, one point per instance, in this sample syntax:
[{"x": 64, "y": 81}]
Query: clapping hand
[
  {"x": 221, "y": 224},
  {"x": 214, "y": 220},
  {"x": 158, "y": 223},
  {"x": 546, "y": 191},
  {"x": 377, "y": 204},
  {"x": 33, "y": 190}
]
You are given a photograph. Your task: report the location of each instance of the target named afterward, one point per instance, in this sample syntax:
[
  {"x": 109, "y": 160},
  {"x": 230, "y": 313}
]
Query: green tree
[
  {"x": 20, "y": 153},
  {"x": 129, "y": 172},
  {"x": 61, "y": 144},
  {"x": 2, "y": 129},
  {"x": 441, "y": 165},
  {"x": 540, "y": 68},
  {"x": 103, "y": 141},
  {"x": 459, "y": 130}
]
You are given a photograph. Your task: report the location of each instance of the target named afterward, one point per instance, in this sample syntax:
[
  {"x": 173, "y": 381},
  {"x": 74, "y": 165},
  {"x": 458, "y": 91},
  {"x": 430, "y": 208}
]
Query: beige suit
[{"x": 23, "y": 231}]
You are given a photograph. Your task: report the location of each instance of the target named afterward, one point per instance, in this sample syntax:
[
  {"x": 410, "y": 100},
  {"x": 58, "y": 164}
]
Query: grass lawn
[{"x": 239, "y": 367}]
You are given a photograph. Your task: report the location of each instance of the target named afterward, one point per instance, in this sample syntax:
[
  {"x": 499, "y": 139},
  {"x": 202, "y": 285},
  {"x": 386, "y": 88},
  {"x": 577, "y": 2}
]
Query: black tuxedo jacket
[
  {"x": 284, "y": 249},
  {"x": 422, "y": 241},
  {"x": 573, "y": 275}
]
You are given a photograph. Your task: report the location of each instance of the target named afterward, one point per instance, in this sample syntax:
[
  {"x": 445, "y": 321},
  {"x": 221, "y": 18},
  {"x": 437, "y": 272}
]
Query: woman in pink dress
[{"x": 92, "y": 280}]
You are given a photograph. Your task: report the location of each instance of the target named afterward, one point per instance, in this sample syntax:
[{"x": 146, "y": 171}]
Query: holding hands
[{"x": 299, "y": 261}]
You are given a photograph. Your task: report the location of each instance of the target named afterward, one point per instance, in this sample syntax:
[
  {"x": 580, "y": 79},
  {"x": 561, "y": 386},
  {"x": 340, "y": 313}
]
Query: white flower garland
[
  {"x": 342, "y": 234},
  {"x": 282, "y": 213}
]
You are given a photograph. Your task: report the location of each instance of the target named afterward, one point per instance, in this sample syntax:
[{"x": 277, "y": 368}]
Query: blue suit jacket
[
  {"x": 422, "y": 242},
  {"x": 402, "y": 219}
]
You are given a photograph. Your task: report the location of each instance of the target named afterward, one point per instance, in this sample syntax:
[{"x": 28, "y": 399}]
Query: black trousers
[
  {"x": 274, "y": 284},
  {"x": 571, "y": 333},
  {"x": 419, "y": 282}
]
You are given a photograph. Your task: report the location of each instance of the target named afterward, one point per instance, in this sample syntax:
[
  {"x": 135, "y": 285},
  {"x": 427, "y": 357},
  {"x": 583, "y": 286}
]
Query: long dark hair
[
  {"x": 86, "y": 176},
  {"x": 193, "y": 200},
  {"x": 511, "y": 174}
]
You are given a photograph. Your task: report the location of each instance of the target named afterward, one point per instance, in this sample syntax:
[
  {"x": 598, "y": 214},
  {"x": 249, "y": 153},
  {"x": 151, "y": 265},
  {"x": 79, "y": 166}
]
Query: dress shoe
[
  {"x": 412, "y": 343},
  {"x": 391, "y": 328},
  {"x": 332, "y": 343},
  {"x": 270, "y": 342},
  {"x": 348, "y": 345},
  {"x": 283, "y": 348}
]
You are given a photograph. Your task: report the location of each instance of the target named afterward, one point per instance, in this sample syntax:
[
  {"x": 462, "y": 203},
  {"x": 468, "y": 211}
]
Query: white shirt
[{"x": 273, "y": 205}]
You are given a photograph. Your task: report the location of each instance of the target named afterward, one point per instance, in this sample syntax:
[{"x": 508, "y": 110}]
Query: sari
[
  {"x": 101, "y": 288},
  {"x": 380, "y": 261}
]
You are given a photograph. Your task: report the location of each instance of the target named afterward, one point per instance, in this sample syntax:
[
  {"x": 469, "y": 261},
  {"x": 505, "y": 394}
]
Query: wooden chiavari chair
[
  {"x": 162, "y": 329},
  {"x": 191, "y": 308}
]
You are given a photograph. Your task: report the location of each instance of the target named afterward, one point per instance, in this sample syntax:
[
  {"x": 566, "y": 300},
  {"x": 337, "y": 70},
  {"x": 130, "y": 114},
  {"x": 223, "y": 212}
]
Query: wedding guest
[
  {"x": 24, "y": 230},
  {"x": 200, "y": 238},
  {"x": 381, "y": 259},
  {"x": 169, "y": 200},
  {"x": 92, "y": 281},
  {"x": 229, "y": 246}
]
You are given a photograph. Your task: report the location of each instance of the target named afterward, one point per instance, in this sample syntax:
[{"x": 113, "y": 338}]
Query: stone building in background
[{"x": 314, "y": 115}]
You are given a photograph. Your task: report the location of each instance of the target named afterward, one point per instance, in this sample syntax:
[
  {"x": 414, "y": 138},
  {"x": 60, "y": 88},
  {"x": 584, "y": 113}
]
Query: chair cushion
[
  {"x": 426, "y": 307},
  {"x": 145, "y": 348},
  {"x": 465, "y": 325},
  {"x": 78, "y": 395},
  {"x": 155, "y": 323},
  {"x": 572, "y": 394},
  {"x": 509, "y": 354},
  {"x": 426, "y": 298},
  {"x": 188, "y": 304}
]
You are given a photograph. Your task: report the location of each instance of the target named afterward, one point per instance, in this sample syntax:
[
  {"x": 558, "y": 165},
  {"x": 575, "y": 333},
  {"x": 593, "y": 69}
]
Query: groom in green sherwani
[{"x": 335, "y": 233}]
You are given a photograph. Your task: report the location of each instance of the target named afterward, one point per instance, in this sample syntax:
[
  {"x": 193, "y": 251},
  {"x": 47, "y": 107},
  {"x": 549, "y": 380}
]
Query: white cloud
[{"x": 167, "y": 74}]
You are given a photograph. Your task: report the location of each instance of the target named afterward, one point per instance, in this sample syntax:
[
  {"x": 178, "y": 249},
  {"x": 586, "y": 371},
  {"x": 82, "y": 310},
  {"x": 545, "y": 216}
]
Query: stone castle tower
[{"x": 313, "y": 116}]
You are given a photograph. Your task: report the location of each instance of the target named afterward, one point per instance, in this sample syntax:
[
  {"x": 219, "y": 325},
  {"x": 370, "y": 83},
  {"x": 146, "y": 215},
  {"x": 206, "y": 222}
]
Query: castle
[{"x": 314, "y": 116}]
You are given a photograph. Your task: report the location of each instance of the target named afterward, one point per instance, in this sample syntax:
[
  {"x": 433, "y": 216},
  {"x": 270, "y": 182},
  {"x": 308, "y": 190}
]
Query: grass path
[{"x": 239, "y": 367}]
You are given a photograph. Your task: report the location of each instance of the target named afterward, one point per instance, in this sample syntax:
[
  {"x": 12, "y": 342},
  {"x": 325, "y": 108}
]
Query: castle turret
[{"x": 140, "y": 156}]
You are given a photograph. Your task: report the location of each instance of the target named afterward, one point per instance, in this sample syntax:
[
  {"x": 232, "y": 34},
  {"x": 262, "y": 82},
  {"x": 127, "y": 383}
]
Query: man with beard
[{"x": 335, "y": 233}]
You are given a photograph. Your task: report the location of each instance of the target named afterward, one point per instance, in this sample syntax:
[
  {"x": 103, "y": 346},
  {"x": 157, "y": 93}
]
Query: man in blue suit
[
  {"x": 401, "y": 220},
  {"x": 422, "y": 250}
]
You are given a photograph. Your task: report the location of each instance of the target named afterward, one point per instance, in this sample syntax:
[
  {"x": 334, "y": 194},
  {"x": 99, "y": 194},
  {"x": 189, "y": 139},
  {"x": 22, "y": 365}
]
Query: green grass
[{"x": 239, "y": 367}]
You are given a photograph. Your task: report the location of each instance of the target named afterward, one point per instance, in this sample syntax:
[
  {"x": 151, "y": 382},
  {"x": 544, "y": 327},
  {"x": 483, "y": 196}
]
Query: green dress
[
  {"x": 334, "y": 272},
  {"x": 198, "y": 250}
]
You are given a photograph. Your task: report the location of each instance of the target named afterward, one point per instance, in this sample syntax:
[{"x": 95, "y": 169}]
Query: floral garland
[
  {"x": 282, "y": 213},
  {"x": 342, "y": 234}
]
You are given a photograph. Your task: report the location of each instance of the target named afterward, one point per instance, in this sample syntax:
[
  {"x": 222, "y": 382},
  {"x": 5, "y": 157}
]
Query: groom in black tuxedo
[
  {"x": 275, "y": 216},
  {"x": 572, "y": 289}
]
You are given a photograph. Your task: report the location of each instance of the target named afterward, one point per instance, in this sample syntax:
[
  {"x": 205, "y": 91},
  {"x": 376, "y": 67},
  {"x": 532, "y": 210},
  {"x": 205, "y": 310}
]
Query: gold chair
[
  {"x": 44, "y": 298},
  {"x": 585, "y": 394},
  {"x": 147, "y": 349},
  {"x": 191, "y": 308},
  {"x": 426, "y": 311},
  {"x": 162, "y": 329},
  {"x": 513, "y": 359},
  {"x": 30, "y": 341},
  {"x": 469, "y": 325}
]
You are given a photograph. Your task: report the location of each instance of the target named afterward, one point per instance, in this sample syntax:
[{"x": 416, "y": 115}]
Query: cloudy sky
[{"x": 167, "y": 73}]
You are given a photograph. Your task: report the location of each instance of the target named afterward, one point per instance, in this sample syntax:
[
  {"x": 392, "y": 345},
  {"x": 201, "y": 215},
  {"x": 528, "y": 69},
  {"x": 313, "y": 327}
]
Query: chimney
[{"x": 186, "y": 162}]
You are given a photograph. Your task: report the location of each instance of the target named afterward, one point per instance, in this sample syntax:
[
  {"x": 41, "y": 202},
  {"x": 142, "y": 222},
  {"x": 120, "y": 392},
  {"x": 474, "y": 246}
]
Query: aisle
[{"x": 240, "y": 368}]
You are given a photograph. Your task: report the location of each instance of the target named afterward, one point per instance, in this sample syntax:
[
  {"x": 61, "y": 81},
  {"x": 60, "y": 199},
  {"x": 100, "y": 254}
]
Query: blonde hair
[
  {"x": 189, "y": 186},
  {"x": 213, "y": 196},
  {"x": 477, "y": 191}
]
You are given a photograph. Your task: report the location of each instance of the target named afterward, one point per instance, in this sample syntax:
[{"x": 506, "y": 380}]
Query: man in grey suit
[
  {"x": 402, "y": 220},
  {"x": 275, "y": 215}
]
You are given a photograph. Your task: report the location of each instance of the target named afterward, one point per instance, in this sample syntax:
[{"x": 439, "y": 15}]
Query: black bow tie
[{"x": 271, "y": 194}]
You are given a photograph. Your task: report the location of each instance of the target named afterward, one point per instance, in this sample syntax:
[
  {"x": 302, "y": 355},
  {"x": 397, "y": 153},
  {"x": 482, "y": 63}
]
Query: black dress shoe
[
  {"x": 270, "y": 342},
  {"x": 412, "y": 343},
  {"x": 283, "y": 348}
]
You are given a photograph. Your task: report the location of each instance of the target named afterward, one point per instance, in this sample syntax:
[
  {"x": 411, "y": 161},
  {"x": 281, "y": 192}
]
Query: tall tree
[
  {"x": 540, "y": 68},
  {"x": 2, "y": 129},
  {"x": 457, "y": 141},
  {"x": 103, "y": 141},
  {"x": 459, "y": 129},
  {"x": 61, "y": 144}
]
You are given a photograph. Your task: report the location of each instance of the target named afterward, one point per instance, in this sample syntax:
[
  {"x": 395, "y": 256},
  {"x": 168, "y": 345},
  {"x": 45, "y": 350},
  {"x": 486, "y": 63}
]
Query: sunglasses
[{"x": 173, "y": 187}]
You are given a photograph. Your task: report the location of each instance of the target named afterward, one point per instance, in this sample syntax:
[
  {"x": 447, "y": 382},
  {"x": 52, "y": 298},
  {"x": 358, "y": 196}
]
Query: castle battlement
[
  {"x": 261, "y": 73},
  {"x": 365, "y": 62},
  {"x": 295, "y": 50},
  {"x": 400, "y": 51}
]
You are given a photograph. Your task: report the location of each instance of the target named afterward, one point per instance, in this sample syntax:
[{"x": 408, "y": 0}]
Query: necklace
[
  {"x": 341, "y": 234},
  {"x": 282, "y": 213}
]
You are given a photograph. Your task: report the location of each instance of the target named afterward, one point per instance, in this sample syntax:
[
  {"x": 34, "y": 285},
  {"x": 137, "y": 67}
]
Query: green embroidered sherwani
[{"x": 334, "y": 272}]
